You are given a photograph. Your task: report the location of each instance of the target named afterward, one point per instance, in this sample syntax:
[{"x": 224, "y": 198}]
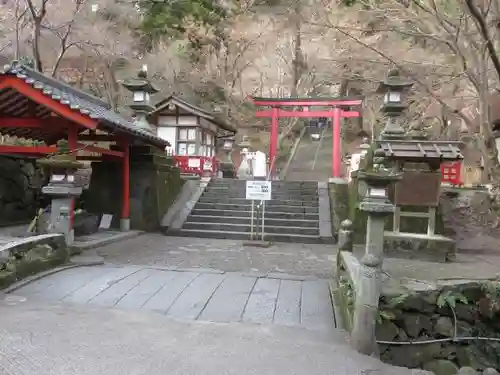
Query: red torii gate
[{"x": 336, "y": 113}]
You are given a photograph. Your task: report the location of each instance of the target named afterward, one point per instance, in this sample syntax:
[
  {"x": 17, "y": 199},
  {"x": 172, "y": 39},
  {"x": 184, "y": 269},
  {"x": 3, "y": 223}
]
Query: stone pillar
[{"x": 377, "y": 205}]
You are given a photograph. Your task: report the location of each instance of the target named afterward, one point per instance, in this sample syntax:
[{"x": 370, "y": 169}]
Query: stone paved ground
[
  {"x": 225, "y": 255},
  {"x": 51, "y": 339},
  {"x": 208, "y": 295}
]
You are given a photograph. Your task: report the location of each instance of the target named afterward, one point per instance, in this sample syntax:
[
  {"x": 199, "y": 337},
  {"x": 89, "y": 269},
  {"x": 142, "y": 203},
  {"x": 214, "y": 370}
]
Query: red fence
[
  {"x": 452, "y": 173},
  {"x": 199, "y": 165}
]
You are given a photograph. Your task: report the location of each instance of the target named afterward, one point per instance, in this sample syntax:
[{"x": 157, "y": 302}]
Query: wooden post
[
  {"x": 273, "y": 144},
  {"x": 72, "y": 146},
  {"x": 336, "y": 152},
  {"x": 431, "y": 223},
  {"x": 125, "y": 214}
]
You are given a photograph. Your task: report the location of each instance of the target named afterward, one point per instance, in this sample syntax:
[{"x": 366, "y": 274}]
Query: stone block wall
[
  {"x": 21, "y": 181},
  {"x": 435, "y": 329},
  {"x": 154, "y": 184},
  {"x": 453, "y": 316}
]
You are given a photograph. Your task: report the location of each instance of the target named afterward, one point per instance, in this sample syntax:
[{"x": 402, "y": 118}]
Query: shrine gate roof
[
  {"x": 313, "y": 101},
  {"x": 416, "y": 150},
  {"x": 14, "y": 104}
]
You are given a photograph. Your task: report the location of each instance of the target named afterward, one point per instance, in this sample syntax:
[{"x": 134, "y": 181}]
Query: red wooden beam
[
  {"x": 305, "y": 114},
  {"x": 32, "y": 122},
  {"x": 287, "y": 102},
  {"x": 18, "y": 122},
  {"x": 39, "y": 97},
  {"x": 104, "y": 151},
  {"x": 28, "y": 150}
]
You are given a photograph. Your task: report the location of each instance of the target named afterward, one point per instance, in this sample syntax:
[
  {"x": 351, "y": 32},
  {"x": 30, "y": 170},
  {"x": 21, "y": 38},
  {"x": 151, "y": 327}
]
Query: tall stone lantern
[
  {"x": 63, "y": 190},
  {"x": 377, "y": 205},
  {"x": 226, "y": 167},
  {"x": 141, "y": 89},
  {"x": 394, "y": 88}
]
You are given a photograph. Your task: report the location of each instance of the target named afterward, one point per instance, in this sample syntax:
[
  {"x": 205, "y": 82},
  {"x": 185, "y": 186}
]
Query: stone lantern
[
  {"x": 63, "y": 190},
  {"x": 141, "y": 89},
  {"x": 226, "y": 167},
  {"x": 394, "y": 88},
  {"x": 377, "y": 205}
]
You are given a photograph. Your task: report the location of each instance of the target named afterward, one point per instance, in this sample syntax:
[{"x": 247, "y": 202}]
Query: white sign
[
  {"x": 374, "y": 192},
  {"x": 105, "y": 221},
  {"x": 194, "y": 163},
  {"x": 258, "y": 190}
]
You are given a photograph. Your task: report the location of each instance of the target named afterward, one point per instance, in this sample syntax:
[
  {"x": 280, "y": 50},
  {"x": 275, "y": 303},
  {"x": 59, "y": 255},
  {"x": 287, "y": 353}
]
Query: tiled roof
[{"x": 85, "y": 103}]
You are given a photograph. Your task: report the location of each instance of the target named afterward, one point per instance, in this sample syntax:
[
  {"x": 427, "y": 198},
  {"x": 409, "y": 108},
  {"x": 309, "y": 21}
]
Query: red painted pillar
[
  {"x": 72, "y": 146},
  {"x": 336, "y": 157},
  {"x": 273, "y": 143},
  {"x": 125, "y": 216}
]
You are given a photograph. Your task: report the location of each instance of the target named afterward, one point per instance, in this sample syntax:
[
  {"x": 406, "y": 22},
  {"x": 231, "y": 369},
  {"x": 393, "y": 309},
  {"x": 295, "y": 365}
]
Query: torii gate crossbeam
[{"x": 339, "y": 109}]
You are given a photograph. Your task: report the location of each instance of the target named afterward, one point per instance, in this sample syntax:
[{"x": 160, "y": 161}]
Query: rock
[
  {"x": 386, "y": 331},
  {"x": 467, "y": 371},
  {"x": 402, "y": 336},
  {"x": 490, "y": 371},
  {"x": 414, "y": 324},
  {"x": 444, "y": 327},
  {"x": 468, "y": 313},
  {"x": 86, "y": 224},
  {"x": 463, "y": 328},
  {"x": 441, "y": 367},
  {"x": 421, "y": 302},
  {"x": 448, "y": 351},
  {"x": 476, "y": 357},
  {"x": 411, "y": 355}
]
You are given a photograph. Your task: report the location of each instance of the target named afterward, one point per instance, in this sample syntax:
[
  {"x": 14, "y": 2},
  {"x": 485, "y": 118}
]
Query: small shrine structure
[
  {"x": 45, "y": 110},
  {"x": 193, "y": 134}
]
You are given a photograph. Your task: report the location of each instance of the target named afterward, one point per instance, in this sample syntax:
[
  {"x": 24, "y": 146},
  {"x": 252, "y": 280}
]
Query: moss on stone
[{"x": 39, "y": 258}]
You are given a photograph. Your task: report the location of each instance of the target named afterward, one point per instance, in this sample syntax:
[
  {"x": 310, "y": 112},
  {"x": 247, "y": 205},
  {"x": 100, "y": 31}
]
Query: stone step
[
  {"x": 277, "y": 184},
  {"x": 247, "y": 220},
  {"x": 247, "y": 207},
  {"x": 268, "y": 214},
  {"x": 232, "y": 227},
  {"x": 243, "y": 201},
  {"x": 278, "y": 197},
  {"x": 298, "y": 189},
  {"x": 245, "y": 236}
]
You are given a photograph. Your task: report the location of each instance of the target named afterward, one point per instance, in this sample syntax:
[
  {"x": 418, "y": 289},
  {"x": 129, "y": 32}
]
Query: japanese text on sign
[{"x": 258, "y": 190}]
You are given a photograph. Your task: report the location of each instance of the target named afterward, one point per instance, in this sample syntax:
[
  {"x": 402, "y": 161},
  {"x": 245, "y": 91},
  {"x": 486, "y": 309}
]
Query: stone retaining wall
[
  {"x": 451, "y": 314},
  {"x": 22, "y": 257},
  {"x": 448, "y": 317},
  {"x": 21, "y": 181}
]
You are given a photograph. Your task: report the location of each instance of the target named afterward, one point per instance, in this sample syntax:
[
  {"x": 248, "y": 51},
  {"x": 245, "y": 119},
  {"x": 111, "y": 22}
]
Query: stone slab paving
[
  {"x": 205, "y": 295},
  {"x": 227, "y": 255}
]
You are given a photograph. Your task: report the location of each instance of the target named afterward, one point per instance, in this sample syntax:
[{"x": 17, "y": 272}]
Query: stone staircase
[
  {"x": 312, "y": 160},
  {"x": 223, "y": 212}
]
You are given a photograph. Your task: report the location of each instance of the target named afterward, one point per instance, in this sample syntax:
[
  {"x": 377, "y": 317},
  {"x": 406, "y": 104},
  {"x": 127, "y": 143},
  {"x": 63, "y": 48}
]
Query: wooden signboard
[{"x": 418, "y": 188}]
